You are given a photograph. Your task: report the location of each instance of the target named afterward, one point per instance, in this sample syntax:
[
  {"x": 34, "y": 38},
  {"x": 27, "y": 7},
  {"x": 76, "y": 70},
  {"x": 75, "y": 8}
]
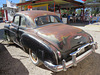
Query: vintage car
[{"x": 49, "y": 41}]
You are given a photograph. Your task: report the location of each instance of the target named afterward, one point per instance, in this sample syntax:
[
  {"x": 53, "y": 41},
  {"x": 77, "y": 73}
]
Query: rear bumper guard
[{"x": 74, "y": 61}]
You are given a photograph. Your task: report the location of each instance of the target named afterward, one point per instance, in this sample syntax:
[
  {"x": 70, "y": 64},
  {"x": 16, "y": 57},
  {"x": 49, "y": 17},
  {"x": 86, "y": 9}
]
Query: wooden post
[
  {"x": 83, "y": 13},
  {"x": 21, "y": 8},
  {"x": 6, "y": 15},
  {"x": 60, "y": 11},
  {"x": 47, "y": 7},
  {"x": 2, "y": 13}
]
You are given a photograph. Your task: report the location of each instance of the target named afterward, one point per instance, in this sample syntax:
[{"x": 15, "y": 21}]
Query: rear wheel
[{"x": 34, "y": 58}]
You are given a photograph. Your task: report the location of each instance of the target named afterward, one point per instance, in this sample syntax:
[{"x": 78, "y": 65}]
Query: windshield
[{"x": 42, "y": 20}]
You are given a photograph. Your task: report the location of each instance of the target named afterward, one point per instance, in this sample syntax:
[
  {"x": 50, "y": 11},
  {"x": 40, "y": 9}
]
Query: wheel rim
[{"x": 33, "y": 57}]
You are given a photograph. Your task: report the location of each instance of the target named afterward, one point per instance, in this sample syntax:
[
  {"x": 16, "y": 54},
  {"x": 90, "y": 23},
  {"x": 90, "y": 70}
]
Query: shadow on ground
[
  {"x": 1, "y": 34},
  {"x": 9, "y": 65},
  {"x": 79, "y": 23}
]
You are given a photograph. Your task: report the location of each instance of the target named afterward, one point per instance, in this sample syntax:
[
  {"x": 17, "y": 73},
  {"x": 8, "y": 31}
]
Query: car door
[
  {"x": 23, "y": 27},
  {"x": 14, "y": 28}
]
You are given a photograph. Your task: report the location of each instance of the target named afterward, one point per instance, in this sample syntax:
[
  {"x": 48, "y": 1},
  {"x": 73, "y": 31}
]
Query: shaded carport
[{"x": 51, "y": 5}]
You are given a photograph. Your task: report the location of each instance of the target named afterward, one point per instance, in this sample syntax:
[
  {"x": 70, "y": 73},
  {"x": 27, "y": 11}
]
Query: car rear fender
[{"x": 42, "y": 50}]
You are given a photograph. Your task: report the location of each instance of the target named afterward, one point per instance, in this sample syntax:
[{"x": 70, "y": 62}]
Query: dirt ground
[{"x": 14, "y": 61}]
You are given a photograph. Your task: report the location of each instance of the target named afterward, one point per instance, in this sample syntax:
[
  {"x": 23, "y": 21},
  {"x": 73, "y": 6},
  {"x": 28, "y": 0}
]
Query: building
[
  {"x": 95, "y": 6},
  {"x": 1, "y": 14},
  {"x": 9, "y": 10},
  {"x": 51, "y": 5}
]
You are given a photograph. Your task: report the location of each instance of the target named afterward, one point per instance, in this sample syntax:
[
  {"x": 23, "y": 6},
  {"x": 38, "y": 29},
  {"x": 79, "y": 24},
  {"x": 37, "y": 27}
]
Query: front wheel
[
  {"x": 34, "y": 58},
  {"x": 7, "y": 38}
]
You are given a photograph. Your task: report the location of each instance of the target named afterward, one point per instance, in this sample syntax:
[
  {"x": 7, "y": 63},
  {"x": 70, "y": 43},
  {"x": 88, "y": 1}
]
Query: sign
[
  {"x": 29, "y": 7},
  {"x": 84, "y": 0},
  {"x": 10, "y": 13},
  {"x": 11, "y": 5},
  {"x": 4, "y": 5},
  {"x": 33, "y": 0}
]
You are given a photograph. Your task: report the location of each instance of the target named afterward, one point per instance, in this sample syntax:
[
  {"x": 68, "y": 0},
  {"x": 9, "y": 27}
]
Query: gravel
[{"x": 14, "y": 61}]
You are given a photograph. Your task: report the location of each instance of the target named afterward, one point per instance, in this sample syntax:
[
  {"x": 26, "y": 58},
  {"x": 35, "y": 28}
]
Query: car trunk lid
[{"x": 63, "y": 37}]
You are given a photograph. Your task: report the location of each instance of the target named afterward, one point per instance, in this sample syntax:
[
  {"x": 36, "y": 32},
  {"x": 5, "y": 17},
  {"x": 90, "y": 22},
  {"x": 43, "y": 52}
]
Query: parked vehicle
[
  {"x": 47, "y": 40},
  {"x": 1, "y": 19}
]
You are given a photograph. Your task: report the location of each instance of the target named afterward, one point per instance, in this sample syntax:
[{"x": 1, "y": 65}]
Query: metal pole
[
  {"x": 54, "y": 6},
  {"x": 60, "y": 11},
  {"x": 83, "y": 13},
  {"x": 6, "y": 15}
]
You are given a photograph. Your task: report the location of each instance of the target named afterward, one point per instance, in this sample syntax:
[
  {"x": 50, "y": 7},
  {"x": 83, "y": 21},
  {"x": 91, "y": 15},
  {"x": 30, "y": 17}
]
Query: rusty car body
[{"x": 43, "y": 35}]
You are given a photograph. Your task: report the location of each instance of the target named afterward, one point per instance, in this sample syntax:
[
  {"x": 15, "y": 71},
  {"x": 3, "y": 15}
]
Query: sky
[
  {"x": 17, "y": 1},
  {"x": 79, "y": 1}
]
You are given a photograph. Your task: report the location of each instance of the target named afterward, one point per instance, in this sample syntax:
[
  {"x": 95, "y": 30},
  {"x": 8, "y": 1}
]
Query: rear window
[{"x": 42, "y": 20}]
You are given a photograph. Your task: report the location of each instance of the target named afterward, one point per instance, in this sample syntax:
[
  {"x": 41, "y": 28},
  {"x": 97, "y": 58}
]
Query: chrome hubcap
[{"x": 33, "y": 57}]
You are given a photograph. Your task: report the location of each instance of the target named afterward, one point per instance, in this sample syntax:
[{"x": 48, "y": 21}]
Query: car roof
[{"x": 36, "y": 13}]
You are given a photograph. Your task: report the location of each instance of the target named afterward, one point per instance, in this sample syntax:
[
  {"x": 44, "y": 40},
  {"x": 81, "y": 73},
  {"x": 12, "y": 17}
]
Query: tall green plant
[
  {"x": 78, "y": 11},
  {"x": 0, "y": 14}
]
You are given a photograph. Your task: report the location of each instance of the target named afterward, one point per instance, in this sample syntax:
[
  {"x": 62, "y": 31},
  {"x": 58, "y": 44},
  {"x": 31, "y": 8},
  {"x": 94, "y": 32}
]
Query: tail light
[
  {"x": 91, "y": 39},
  {"x": 59, "y": 54}
]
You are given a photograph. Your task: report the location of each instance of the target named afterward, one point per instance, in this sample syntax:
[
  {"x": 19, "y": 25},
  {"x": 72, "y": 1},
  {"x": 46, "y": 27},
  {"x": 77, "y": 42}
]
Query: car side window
[
  {"x": 24, "y": 22},
  {"x": 16, "y": 20},
  {"x": 53, "y": 19}
]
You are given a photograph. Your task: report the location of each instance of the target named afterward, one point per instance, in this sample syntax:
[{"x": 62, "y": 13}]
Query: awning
[{"x": 96, "y": 4}]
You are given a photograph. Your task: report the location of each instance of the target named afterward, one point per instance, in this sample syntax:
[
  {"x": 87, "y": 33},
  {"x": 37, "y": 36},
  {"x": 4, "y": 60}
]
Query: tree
[
  {"x": 78, "y": 11},
  {"x": 0, "y": 14}
]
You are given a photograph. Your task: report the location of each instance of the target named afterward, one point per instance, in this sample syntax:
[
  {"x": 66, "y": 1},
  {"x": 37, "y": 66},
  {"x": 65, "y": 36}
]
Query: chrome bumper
[{"x": 74, "y": 61}]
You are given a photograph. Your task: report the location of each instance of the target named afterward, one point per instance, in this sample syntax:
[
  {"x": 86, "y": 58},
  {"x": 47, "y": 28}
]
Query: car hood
[{"x": 62, "y": 36}]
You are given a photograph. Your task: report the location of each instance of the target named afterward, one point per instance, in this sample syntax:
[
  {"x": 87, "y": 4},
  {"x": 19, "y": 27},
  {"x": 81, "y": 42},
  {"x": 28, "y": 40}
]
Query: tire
[
  {"x": 34, "y": 58},
  {"x": 8, "y": 38}
]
